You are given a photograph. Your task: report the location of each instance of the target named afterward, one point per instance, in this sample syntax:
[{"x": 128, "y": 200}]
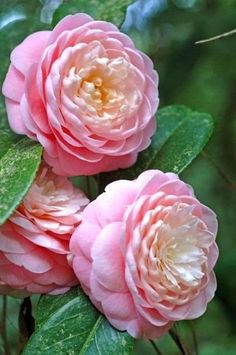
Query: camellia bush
[{"x": 94, "y": 217}]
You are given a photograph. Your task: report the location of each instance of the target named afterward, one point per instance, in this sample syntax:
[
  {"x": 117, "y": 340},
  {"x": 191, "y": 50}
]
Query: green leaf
[
  {"x": 18, "y": 167},
  {"x": 7, "y": 138},
  {"x": 3, "y": 114},
  {"x": 69, "y": 324},
  {"x": 181, "y": 135},
  {"x": 100, "y": 10}
]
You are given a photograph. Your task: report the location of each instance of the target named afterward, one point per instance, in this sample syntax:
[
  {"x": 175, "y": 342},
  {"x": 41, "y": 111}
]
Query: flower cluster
[{"x": 144, "y": 250}]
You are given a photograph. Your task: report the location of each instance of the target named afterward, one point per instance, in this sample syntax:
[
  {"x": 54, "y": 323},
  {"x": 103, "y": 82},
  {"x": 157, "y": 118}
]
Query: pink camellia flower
[
  {"x": 85, "y": 93},
  {"x": 34, "y": 244},
  {"x": 145, "y": 252}
]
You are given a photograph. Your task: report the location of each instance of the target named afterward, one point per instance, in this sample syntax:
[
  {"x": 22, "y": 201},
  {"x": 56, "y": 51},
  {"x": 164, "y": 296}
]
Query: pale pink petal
[
  {"x": 213, "y": 256},
  {"x": 83, "y": 238},
  {"x": 13, "y": 92},
  {"x": 36, "y": 261},
  {"x": 121, "y": 193},
  {"x": 107, "y": 247},
  {"x": 82, "y": 268},
  {"x": 124, "y": 307},
  {"x": 14, "y": 117},
  {"x": 69, "y": 23},
  {"x": 29, "y": 51},
  {"x": 37, "y": 110}
]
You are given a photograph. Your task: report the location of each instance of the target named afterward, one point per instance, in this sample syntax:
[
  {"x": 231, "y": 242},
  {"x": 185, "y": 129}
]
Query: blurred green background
[{"x": 202, "y": 77}]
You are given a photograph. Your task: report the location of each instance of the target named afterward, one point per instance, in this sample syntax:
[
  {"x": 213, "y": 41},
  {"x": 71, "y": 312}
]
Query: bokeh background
[{"x": 202, "y": 77}]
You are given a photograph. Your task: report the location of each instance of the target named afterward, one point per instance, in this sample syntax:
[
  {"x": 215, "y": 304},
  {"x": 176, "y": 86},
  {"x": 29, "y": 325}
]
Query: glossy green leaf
[
  {"x": 7, "y": 138},
  {"x": 69, "y": 324},
  {"x": 180, "y": 137},
  {"x": 18, "y": 167},
  {"x": 100, "y": 10}
]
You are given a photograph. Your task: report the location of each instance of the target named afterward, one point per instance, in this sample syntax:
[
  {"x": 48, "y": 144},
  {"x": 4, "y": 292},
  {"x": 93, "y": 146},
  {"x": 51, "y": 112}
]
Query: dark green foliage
[
  {"x": 100, "y": 10},
  {"x": 180, "y": 137},
  {"x": 69, "y": 324}
]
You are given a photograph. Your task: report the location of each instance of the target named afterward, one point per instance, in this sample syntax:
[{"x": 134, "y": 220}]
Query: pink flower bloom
[
  {"x": 34, "y": 244},
  {"x": 85, "y": 93},
  {"x": 144, "y": 253}
]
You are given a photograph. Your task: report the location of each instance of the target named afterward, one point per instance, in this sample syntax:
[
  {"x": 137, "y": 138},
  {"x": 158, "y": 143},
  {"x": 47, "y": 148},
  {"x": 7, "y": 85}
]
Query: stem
[
  {"x": 158, "y": 351},
  {"x": 226, "y": 34},
  {"x": 98, "y": 183},
  {"x": 88, "y": 186},
  {"x": 26, "y": 321},
  {"x": 194, "y": 336},
  {"x": 4, "y": 327},
  {"x": 179, "y": 342}
]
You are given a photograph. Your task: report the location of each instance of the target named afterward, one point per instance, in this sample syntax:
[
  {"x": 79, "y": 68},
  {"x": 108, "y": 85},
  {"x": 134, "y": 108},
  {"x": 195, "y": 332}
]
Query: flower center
[
  {"x": 47, "y": 190},
  {"x": 174, "y": 245},
  {"x": 94, "y": 90},
  {"x": 182, "y": 258},
  {"x": 102, "y": 85},
  {"x": 106, "y": 90}
]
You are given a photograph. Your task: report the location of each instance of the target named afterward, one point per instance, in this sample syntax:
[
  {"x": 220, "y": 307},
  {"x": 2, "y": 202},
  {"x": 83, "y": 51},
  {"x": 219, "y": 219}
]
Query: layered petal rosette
[
  {"x": 145, "y": 252},
  {"x": 85, "y": 93},
  {"x": 34, "y": 247}
]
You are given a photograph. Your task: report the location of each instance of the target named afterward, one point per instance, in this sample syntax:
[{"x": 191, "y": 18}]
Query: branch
[
  {"x": 226, "y": 34},
  {"x": 194, "y": 336},
  {"x": 26, "y": 321},
  {"x": 157, "y": 350},
  {"x": 178, "y": 341},
  {"x": 3, "y": 328}
]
